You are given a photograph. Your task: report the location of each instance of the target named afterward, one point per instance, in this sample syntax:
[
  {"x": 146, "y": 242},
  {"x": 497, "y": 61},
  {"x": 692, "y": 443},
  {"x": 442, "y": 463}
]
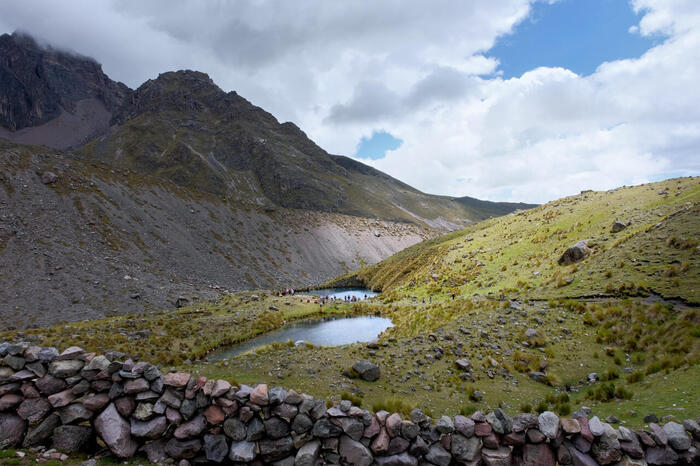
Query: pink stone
[
  {"x": 221, "y": 387},
  {"x": 9, "y": 401},
  {"x": 380, "y": 445},
  {"x": 214, "y": 415},
  {"x": 176, "y": 379},
  {"x": 259, "y": 395},
  {"x": 393, "y": 425}
]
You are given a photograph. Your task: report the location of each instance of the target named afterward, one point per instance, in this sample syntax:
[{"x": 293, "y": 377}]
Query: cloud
[{"x": 417, "y": 70}]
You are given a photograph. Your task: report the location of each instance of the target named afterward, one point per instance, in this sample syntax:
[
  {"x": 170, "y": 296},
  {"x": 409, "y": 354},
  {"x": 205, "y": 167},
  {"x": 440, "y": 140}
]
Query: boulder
[
  {"x": 41, "y": 434},
  {"x": 183, "y": 448},
  {"x": 74, "y": 412},
  {"x": 618, "y": 226},
  {"x": 149, "y": 429},
  {"x": 549, "y": 424},
  {"x": 438, "y": 456},
  {"x": 540, "y": 454},
  {"x": 259, "y": 395},
  {"x": 308, "y": 454},
  {"x": 275, "y": 449},
  {"x": 366, "y": 370},
  {"x": 677, "y": 437},
  {"x": 215, "y": 448},
  {"x": 115, "y": 431},
  {"x": 465, "y": 449},
  {"x": 243, "y": 452},
  {"x": 354, "y": 452},
  {"x": 12, "y": 429},
  {"x": 49, "y": 177},
  {"x": 65, "y": 368},
  {"x": 191, "y": 428},
  {"x": 661, "y": 455},
  {"x": 71, "y": 439},
  {"x": 575, "y": 253},
  {"x": 235, "y": 429}
]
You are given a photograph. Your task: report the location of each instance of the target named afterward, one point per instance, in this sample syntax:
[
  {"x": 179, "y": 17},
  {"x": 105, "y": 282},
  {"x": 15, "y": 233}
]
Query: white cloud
[{"x": 416, "y": 69}]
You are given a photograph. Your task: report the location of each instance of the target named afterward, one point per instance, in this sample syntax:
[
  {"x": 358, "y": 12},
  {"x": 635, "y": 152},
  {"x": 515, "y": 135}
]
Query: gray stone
[
  {"x": 323, "y": 428},
  {"x": 71, "y": 439},
  {"x": 275, "y": 449},
  {"x": 276, "y": 427},
  {"x": 465, "y": 449},
  {"x": 183, "y": 448},
  {"x": 549, "y": 424},
  {"x": 149, "y": 429},
  {"x": 445, "y": 425},
  {"x": 596, "y": 427},
  {"x": 74, "y": 412},
  {"x": 34, "y": 409},
  {"x": 12, "y": 429},
  {"x": 308, "y": 454},
  {"x": 235, "y": 429},
  {"x": 661, "y": 455},
  {"x": 677, "y": 437},
  {"x": 41, "y": 434},
  {"x": 65, "y": 368},
  {"x": 464, "y": 425},
  {"x": 367, "y": 370},
  {"x": 404, "y": 459},
  {"x": 354, "y": 452},
  {"x": 192, "y": 428},
  {"x": 215, "y": 448},
  {"x": 438, "y": 455},
  {"x": 255, "y": 429},
  {"x": 575, "y": 253},
  {"x": 243, "y": 452},
  {"x": 115, "y": 432},
  {"x": 354, "y": 428}
]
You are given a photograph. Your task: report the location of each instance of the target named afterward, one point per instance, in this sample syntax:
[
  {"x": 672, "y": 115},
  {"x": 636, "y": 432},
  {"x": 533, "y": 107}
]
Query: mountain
[
  {"x": 51, "y": 97},
  {"x": 118, "y": 200}
]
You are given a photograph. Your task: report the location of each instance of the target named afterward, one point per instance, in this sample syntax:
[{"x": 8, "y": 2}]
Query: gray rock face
[
  {"x": 438, "y": 455},
  {"x": 183, "y": 448},
  {"x": 215, "y": 448},
  {"x": 243, "y": 452},
  {"x": 677, "y": 437},
  {"x": 12, "y": 429},
  {"x": 235, "y": 429},
  {"x": 366, "y": 370},
  {"x": 354, "y": 452},
  {"x": 40, "y": 434},
  {"x": 465, "y": 449},
  {"x": 71, "y": 439},
  {"x": 116, "y": 432},
  {"x": 308, "y": 454},
  {"x": 549, "y": 424},
  {"x": 65, "y": 368},
  {"x": 149, "y": 429}
]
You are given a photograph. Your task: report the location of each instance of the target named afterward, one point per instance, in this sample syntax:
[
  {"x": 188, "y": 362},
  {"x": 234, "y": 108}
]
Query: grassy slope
[{"x": 518, "y": 253}]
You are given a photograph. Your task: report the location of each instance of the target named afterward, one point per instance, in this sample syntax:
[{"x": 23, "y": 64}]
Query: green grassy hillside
[{"x": 517, "y": 254}]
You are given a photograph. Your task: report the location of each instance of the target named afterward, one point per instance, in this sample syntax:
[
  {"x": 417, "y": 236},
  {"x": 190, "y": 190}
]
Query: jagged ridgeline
[
  {"x": 117, "y": 200},
  {"x": 637, "y": 240}
]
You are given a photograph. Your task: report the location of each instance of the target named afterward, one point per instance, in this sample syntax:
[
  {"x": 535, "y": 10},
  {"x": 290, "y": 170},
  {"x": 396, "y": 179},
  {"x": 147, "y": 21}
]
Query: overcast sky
[{"x": 496, "y": 99}]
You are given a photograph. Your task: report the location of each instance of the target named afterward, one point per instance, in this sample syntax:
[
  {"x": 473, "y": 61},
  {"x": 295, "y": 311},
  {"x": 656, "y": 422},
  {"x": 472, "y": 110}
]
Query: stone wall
[{"x": 75, "y": 401}]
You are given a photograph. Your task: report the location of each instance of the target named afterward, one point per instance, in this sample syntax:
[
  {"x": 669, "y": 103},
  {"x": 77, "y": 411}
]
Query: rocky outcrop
[
  {"x": 575, "y": 253},
  {"x": 39, "y": 83},
  {"x": 132, "y": 407}
]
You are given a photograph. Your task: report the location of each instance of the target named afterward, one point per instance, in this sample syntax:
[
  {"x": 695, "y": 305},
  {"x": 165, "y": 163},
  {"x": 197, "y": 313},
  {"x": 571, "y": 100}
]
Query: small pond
[
  {"x": 326, "y": 332},
  {"x": 343, "y": 293}
]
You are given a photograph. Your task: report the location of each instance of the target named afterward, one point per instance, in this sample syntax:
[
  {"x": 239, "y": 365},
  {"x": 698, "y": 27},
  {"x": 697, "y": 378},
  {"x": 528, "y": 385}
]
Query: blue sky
[
  {"x": 575, "y": 34},
  {"x": 376, "y": 146}
]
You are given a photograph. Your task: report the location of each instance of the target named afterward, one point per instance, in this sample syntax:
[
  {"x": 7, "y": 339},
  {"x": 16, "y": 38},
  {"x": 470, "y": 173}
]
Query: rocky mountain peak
[{"x": 40, "y": 82}]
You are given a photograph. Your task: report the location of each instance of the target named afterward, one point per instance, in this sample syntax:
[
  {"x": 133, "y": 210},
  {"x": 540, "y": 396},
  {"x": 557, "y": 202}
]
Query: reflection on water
[
  {"x": 327, "y": 332},
  {"x": 343, "y": 293}
]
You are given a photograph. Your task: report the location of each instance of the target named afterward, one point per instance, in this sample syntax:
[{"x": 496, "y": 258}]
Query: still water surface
[{"x": 326, "y": 332}]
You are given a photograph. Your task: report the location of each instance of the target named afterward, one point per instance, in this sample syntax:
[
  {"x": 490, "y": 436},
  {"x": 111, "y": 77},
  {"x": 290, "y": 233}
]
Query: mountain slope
[
  {"x": 183, "y": 188},
  {"x": 518, "y": 254}
]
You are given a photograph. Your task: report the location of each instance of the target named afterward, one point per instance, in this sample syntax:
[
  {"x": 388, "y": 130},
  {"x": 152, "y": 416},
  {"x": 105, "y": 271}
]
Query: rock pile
[{"x": 74, "y": 400}]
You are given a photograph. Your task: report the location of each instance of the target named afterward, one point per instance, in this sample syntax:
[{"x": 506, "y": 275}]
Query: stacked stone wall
[{"x": 76, "y": 401}]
